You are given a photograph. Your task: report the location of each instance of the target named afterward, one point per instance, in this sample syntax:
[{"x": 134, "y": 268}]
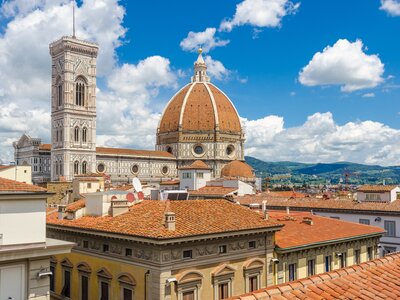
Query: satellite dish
[{"x": 137, "y": 185}]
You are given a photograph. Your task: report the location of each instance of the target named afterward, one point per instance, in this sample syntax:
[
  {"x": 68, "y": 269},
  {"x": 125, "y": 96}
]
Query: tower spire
[
  {"x": 73, "y": 19},
  {"x": 200, "y": 69}
]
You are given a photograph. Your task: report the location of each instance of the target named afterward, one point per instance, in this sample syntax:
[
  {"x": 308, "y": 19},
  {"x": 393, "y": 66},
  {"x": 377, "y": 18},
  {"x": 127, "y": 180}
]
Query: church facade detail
[{"x": 199, "y": 122}]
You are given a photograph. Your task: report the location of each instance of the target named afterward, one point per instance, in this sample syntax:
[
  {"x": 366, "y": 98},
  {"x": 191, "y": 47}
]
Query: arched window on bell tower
[
  {"x": 84, "y": 135},
  {"x": 80, "y": 91},
  {"x": 76, "y": 134},
  {"x": 84, "y": 167},
  {"x": 76, "y": 167},
  {"x": 59, "y": 87}
]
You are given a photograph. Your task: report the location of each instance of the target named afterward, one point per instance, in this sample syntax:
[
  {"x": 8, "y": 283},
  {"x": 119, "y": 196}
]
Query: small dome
[
  {"x": 237, "y": 169},
  {"x": 196, "y": 165}
]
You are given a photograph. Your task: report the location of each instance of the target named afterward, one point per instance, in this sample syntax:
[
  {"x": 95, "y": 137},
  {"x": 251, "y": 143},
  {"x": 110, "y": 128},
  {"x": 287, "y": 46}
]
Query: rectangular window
[
  {"x": 84, "y": 287},
  {"x": 188, "y": 295},
  {"x": 342, "y": 259},
  {"x": 357, "y": 256},
  {"x": 127, "y": 294},
  {"x": 222, "y": 249},
  {"x": 252, "y": 245},
  {"x": 223, "y": 291},
  {"x": 372, "y": 197},
  {"x": 53, "y": 273},
  {"x": 200, "y": 175},
  {"x": 89, "y": 185},
  {"x": 187, "y": 254},
  {"x": 186, "y": 175},
  {"x": 128, "y": 252},
  {"x": 292, "y": 272},
  {"x": 390, "y": 227},
  {"x": 104, "y": 291},
  {"x": 364, "y": 221},
  {"x": 370, "y": 254},
  {"x": 66, "y": 290},
  {"x": 253, "y": 283},
  {"x": 106, "y": 248},
  {"x": 328, "y": 263},
  {"x": 85, "y": 244},
  {"x": 311, "y": 267}
]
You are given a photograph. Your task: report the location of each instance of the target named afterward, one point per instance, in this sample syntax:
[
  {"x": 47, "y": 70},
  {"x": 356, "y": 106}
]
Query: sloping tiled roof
[
  {"x": 8, "y": 185},
  {"x": 377, "y": 279},
  {"x": 73, "y": 207},
  {"x": 319, "y": 204},
  {"x": 376, "y": 188},
  {"x": 196, "y": 165},
  {"x": 297, "y": 233},
  {"x": 288, "y": 194},
  {"x": 213, "y": 190},
  {"x": 45, "y": 147},
  {"x": 5, "y": 167},
  {"x": 169, "y": 182},
  {"x": 193, "y": 218},
  {"x": 132, "y": 152}
]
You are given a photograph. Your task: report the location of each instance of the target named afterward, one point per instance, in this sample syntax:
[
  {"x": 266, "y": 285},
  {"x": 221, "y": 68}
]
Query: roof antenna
[{"x": 73, "y": 20}]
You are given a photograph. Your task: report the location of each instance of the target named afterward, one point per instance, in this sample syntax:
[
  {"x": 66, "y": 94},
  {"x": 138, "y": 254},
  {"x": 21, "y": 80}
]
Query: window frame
[
  {"x": 328, "y": 263},
  {"x": 292, "y": 268},
  {"x": 310, "y": 267},
  {"x": 387, "y": 233},
  {"x": 364, "y": 221}
]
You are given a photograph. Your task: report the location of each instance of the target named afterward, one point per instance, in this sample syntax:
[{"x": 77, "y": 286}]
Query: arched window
[
  {"x": 84, "y": 167},
  {"x": 76, "y": 167},
  {"x": 60, "y": 94},
  {"x": 80, "y": 92},
  {"x": 76, "y": 134},
  {"x": 61, "y": 135},
  {"x": 84, "y": 135}
]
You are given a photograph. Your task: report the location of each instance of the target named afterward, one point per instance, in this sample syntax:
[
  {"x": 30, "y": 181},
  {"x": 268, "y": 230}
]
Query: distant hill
[{"x": 322, "y": 173}]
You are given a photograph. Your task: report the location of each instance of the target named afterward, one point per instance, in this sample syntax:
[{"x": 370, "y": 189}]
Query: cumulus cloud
[
  {"x": 392, "y": 7},
  {"x": 216, "y": 69},
  {"x": 321, "y": 139},
  {"x": 205, "y": 39},
  {"x": 260, "y": 13},
  {"x": 345, "y": 64}
]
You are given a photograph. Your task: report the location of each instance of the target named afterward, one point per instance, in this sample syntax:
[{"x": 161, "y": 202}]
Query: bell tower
[{"x": 73, "y": 107}]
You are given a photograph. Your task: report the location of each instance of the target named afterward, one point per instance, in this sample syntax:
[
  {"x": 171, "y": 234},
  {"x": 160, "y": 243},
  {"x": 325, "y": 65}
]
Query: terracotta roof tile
[
  {"x": 5, "y": 167},
  {"x": 132, "y": 152},
  {"x": 376, "y": 188},
  {"x": 45, "y": 147},
  {"x": 297, "y": 233},
  {"x": 213, "y": 191},
  {"x": 377, "y": 284},
  {"x": 73, "y": 207},
  {"x": 193, "y": 217},
  {"x": 196, "y": 165},
  {"x": 169, "y": 182},
  {"x": 7, "y": 185}
]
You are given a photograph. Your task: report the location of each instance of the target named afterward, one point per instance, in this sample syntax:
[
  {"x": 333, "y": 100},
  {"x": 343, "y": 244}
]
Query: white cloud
[
  {"x": 205, "y": 39},
  {"x": 321, "y": 139},
  {"x": 368, "y": 95},
  {"x": 216, "y": 69},
  {"x": 344, "y": 64},
  {"x": 260, "y": 13},
  {"x": 125, "y": 115},
  {"x": 392, "y": 7}
]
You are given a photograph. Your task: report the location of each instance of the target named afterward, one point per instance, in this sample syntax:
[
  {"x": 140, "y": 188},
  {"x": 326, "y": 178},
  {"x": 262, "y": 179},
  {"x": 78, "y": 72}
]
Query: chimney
[
  {"x": 170, "y": 220},
  {"x": 264, "y": 210},
  {"x": 118, "y": 207},
  {"x": 287, "y": 210},
  {"x": 308, "y": 221},
  {"x": 61, "y": 211}
]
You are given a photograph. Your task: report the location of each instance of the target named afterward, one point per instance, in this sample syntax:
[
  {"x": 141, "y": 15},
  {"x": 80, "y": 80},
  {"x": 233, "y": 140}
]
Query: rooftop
[
  {"x": 213, "y": 191},
  {"x": 376, "y": 188},
  {"x": 8, "y": 185},
  {"x": 377, "y": 279},
  {"x": 308, "y": 203},
  {"x": 297, "y": 233},
  {"x": 193, "y": 218},
  {"x": 45, "y": 147},
  {"x": 196, "y": 165}
]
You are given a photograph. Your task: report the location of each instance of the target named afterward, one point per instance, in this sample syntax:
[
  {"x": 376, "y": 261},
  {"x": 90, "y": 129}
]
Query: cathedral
[{"x": 198, "y": 123}]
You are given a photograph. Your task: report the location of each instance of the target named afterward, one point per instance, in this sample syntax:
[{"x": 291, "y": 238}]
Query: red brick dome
[{"x": 237, "y": 169}]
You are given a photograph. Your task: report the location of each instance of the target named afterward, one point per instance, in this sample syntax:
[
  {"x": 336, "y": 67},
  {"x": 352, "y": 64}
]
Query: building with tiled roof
[
  {"x": 377, "y": 279},
  {"x": 377, "y": 213},
  {"x": 24, "y": 249},
  {"x": 199, "y": 123},
  {"x": 184, "y": 247}
]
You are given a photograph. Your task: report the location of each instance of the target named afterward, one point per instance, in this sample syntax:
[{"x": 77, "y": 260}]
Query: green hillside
[{"x": 287, "y": 172}]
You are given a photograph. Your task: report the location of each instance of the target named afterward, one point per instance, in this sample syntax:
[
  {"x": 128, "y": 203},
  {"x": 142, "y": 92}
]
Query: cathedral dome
[
  {"x": 237, "y": 169},
  {"x": 200, "y": 107}
]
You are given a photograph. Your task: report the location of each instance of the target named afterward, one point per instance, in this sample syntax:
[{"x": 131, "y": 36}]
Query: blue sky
[
  {"x": 271, "y": 62},
  {"x": 314, "y": 81}
]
